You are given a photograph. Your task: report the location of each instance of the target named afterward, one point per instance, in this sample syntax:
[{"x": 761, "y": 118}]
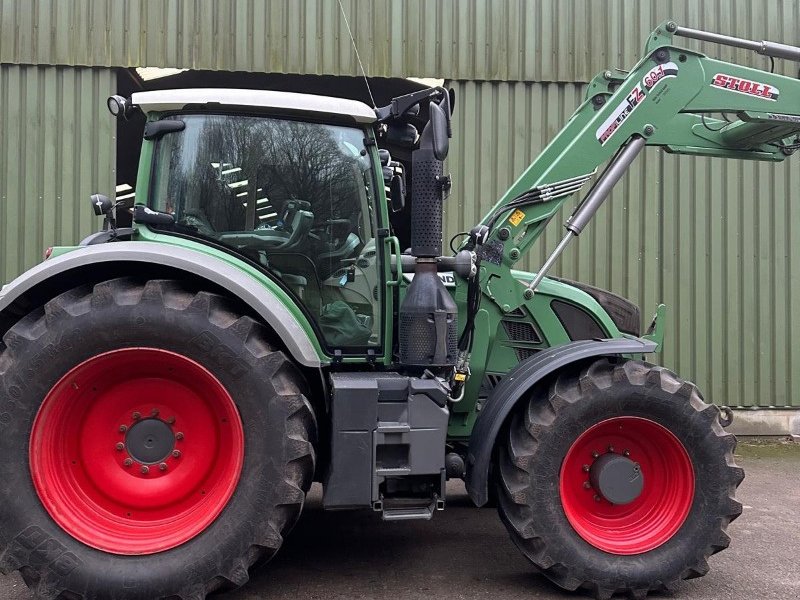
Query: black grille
[
  {"x": 523, "y": 353},
  {"x": 578, "y": 324},
  {"x": 520, "y": 331},
  {"x": 622, "y": 311}
]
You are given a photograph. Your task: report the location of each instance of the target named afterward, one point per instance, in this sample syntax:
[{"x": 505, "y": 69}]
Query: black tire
[
  {"x": 278, "y": 426},
  {"x": 543, "y": 429}
]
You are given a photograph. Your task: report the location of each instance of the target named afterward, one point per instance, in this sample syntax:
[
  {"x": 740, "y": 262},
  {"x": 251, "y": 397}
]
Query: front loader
[{"x": 169, "y": 391}]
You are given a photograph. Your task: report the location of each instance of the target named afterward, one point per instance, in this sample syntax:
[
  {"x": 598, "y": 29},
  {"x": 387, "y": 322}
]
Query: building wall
[
  {"x": 56, "y": 147},
  {"x": 716, "y": 240},
  {"x": 486, "y": 40}
]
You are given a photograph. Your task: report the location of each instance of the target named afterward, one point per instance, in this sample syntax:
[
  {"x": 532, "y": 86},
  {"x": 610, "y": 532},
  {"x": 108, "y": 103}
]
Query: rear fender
[
  {"x": 73, "y": 268},
  {"x": 515, "y": 386}
]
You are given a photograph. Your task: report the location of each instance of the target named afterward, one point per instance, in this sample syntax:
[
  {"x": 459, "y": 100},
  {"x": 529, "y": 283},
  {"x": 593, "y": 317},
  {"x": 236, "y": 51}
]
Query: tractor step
[{"x": 407, "y": 509}]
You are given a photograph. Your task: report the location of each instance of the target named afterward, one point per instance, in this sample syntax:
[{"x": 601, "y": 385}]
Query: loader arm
[{"x": 666, "y": 100}]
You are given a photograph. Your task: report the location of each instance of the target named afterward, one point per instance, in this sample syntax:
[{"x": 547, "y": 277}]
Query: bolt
[
  {"x": 649, "y": 130},
  {"x": 597, "y": 498},
  {"x": 514, "y": 254},
  {"x": 672, "y": 26},
  {"x": 127, "y": 462},
  {"x": 136, "y": 416},
  {"x": 607, "y": 75},
  {"x": 171, "y": 420},
  {"x": 154, "y": 412},
  {"x": 123, "y": 428},
  {"x": 120, "y": 446},
  {"x": 585, "y": 468},
  {"x": 587, "y": 485},
  {"x": 527, "y": 294},
  {"x": 611, "y": 448},
  {"x": 179, "y": 435},
  {"x": 504, "y": 233},
  {"x": 626, "y": 452},
  {"x": 176, "y": 453},
  {"x": 595, "y": 454},
  {"x": 145, "y": 469},
  {"x": 162, "y": 466}
]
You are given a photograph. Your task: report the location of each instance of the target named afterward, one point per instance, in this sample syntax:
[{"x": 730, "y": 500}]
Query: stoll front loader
[{"x": 170, "y": 391}]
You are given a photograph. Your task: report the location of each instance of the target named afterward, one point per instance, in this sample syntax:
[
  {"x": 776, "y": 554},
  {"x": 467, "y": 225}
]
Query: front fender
[
  {"x": 271, "y": 304},
  {"x": 513, "y": 387}
]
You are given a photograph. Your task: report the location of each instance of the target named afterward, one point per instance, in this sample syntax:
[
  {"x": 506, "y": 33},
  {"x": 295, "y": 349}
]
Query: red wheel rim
[
  {"x": 663, "y": 504},
  {"x": 136, "y": 451}
]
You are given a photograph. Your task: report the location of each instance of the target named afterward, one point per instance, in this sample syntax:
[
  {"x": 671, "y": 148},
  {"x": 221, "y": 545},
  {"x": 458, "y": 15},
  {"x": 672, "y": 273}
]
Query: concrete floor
[{"x": 465, "y": 552}]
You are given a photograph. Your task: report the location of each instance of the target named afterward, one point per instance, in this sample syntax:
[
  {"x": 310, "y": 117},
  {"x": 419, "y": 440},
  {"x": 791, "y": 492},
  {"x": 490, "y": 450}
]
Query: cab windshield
[{"x": 294, "y": 197}]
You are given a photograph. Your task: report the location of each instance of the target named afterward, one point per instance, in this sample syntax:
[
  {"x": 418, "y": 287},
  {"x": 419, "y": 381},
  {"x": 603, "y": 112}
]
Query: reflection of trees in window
[{"x": 287, "y": 159}]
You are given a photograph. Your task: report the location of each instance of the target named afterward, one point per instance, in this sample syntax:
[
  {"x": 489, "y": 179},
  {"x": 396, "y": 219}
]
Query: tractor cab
[{"x": 291, "y": 182}]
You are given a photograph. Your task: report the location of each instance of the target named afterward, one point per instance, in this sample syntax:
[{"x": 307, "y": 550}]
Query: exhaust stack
[{"x": 428, "y": 315}]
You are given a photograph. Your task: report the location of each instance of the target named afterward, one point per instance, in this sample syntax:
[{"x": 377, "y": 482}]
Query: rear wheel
[
  {"x": 155, "y": 442},
  {"x": 618, "y": 479}
]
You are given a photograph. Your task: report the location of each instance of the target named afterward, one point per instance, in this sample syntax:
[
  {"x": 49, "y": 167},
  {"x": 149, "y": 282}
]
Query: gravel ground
[{"x": 465, "y": 552}]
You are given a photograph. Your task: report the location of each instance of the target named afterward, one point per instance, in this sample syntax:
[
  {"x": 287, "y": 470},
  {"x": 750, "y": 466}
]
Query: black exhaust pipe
[{"x": 428, "y": 314}]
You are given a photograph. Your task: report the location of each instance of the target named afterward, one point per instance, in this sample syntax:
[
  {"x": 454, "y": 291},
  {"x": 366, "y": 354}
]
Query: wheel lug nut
[
  {"x": 136, "y": 416},
  {"x": 120, "y": 446},
  {"x": 596, "y": 498},
  {"x": 626, "y": 452},
  {"x": 587, "y": 485},
  {"x": 127, "y": 462},
  {"x": 611, "y": 448},
  {"x": 162, "y": 466},
  {"x": 154, "y": 412},
  {"x": 585, "y": 468},
  {"x": 176, "y": 453},
  {"x": 179, "y": 435},
  {"x": 145, "y": 469},
  {"x": 595, "y": 454},
  {"x": 171, "y": 420},
  {"x": 123, "y": 428}
]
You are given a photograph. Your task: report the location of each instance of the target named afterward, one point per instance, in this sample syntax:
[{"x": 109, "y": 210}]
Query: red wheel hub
[
  {"x": 136, "y": 451},
  {"x": 661, "y": 502}
]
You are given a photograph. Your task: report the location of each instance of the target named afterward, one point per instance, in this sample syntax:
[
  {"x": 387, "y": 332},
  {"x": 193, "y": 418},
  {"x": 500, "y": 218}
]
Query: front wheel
[
  {"x": 618, "y": 479},
  {"x": 155, "y": 444}
]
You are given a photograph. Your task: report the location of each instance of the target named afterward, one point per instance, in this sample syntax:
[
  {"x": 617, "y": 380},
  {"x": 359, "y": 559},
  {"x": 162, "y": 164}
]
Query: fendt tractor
[{"x": 171, "y": 390}]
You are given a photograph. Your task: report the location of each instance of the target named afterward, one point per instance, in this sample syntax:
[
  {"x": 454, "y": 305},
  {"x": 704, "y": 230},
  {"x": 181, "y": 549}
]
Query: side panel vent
[
  {"x": 523, "y": 353},
  {"x": 521, "y": 331},
  {"x": 578, "y": 324}
]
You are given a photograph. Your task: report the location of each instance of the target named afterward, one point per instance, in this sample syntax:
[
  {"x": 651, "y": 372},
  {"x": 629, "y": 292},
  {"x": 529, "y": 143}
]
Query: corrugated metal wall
[
  {"x": 56, "y": 147},
  {"x": 498, "y": 40},
  {"x": 717, "y": 241}
]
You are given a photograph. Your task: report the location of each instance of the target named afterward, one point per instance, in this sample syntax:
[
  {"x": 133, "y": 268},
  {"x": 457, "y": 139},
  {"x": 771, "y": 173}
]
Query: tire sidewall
[
  {"x": 690, "y": 427},
  {"x": 27, "y": 531}
]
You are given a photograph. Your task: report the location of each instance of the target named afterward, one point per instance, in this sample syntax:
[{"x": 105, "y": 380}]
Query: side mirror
[
  {"x": 101, "y": 204},
  {"x": 397, "y": 192},
  {"x": 440, "y": 125}
]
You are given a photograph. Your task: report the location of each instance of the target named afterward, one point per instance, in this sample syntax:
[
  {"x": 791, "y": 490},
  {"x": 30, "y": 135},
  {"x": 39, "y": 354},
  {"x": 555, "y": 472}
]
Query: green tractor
[{"x": 170, "y": 391}]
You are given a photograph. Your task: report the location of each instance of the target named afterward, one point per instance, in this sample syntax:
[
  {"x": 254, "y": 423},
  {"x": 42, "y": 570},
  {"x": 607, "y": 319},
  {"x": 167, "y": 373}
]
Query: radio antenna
[{"x": 358, "y": 56}]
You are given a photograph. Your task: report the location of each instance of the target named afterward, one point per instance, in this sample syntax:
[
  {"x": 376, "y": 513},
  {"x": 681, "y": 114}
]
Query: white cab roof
[{"x": 163, "y": 100}]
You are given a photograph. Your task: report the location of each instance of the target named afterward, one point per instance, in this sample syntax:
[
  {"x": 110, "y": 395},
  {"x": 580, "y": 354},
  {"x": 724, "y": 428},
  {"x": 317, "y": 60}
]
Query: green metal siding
[
  {"x": 56, "y": 147},
  {"x": 717, "y": 241},
  {"x": 497, "y": 40}
]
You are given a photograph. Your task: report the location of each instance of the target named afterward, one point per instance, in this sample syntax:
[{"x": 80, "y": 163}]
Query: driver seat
[{"x": 297, "y": 222}]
